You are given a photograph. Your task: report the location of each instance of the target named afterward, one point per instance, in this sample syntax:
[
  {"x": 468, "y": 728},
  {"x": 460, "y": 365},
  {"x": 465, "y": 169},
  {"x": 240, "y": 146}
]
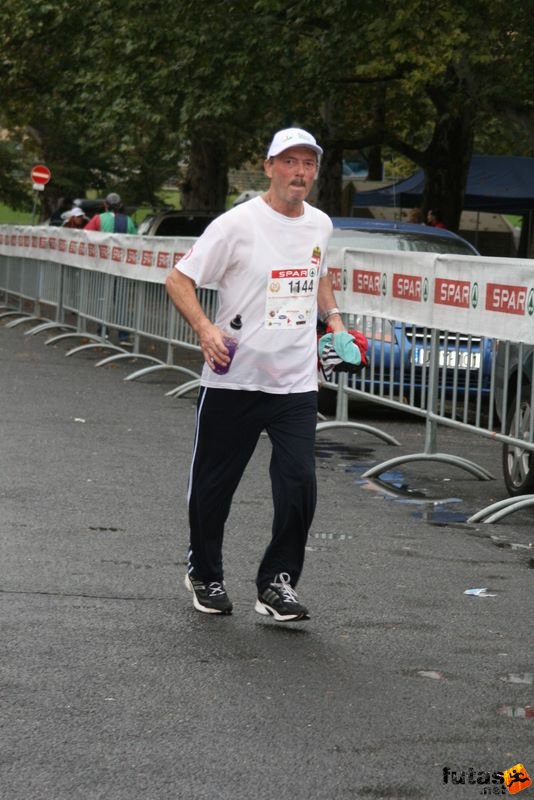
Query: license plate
[{"x": 463, "y": 359}]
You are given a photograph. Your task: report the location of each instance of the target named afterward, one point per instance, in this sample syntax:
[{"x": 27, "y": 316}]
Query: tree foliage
[{"x": 135, "y": 93}]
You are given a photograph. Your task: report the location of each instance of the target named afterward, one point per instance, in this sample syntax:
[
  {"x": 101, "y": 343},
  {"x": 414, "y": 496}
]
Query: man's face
[{"x": 292, "y": 174}]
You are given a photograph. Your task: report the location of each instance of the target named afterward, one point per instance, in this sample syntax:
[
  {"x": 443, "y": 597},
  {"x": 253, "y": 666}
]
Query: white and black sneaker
[
  {"x": 280, "y": 601},
  {"x": 211, "y": 598}
]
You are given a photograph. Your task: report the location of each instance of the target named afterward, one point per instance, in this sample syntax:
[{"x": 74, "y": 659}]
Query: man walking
[{"x": 267, "y": 258}]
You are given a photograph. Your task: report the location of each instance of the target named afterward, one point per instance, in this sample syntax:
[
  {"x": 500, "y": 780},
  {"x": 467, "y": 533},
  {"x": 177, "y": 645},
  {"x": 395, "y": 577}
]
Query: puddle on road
[
  {"x": 328, "y": 450},
  {"x": 442, "y": 516},
  {"x": 393, "y": 486}
]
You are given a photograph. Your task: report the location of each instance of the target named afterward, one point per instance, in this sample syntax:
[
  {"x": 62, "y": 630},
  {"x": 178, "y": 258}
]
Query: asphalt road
[{"x": 114, "y": 688}]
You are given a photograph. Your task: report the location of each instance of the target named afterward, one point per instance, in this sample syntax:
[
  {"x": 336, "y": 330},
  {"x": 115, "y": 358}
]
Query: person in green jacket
[{"x": 113, "y": 219}]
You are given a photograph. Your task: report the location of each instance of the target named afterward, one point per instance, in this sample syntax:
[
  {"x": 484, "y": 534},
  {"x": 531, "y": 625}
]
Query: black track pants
[{"x": 229, "y": 424}]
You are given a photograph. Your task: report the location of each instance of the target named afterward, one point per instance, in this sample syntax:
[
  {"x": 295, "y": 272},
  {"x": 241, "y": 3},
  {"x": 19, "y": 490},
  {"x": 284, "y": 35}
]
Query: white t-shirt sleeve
[{"x": 207, "y": 260}]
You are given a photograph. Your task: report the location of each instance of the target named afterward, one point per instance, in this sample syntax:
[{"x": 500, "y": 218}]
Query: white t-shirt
[{"x": 266, "y": 267}]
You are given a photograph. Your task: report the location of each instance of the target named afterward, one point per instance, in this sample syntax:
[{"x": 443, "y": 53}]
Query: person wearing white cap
[
  {"x": 267, "y": 258},
  {"x": 75, "y": 218}
]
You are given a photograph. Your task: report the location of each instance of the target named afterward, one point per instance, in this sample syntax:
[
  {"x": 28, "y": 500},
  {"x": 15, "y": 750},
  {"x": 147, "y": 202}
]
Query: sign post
[{"x": 40, "y": 176}]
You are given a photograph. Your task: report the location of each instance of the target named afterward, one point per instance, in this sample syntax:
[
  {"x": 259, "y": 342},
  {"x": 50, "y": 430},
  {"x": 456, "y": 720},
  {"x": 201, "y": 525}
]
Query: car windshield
[{"x": 395, "y": 240}]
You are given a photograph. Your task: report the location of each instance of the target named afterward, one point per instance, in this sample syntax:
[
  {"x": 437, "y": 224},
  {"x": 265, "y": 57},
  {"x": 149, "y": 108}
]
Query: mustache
[{"x": 298, "y": 182}]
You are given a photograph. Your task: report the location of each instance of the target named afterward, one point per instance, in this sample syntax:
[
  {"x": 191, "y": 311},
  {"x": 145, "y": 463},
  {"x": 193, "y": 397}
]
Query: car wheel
[{"x": 518, "y": 463}]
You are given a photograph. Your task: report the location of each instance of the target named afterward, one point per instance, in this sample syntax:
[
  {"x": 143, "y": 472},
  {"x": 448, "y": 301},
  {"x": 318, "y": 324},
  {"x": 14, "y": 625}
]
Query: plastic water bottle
[{"x": 231, "y": 340}]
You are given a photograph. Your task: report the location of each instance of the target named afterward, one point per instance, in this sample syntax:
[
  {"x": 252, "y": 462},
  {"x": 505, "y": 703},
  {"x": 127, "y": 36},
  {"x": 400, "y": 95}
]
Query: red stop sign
[{"x": 40, "y": 174}]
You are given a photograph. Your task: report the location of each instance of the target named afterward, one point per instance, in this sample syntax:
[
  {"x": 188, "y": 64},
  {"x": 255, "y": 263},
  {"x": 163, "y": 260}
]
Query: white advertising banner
[
  {"x": 471, "y": 294},
  {"x": 138, "y": 257}
]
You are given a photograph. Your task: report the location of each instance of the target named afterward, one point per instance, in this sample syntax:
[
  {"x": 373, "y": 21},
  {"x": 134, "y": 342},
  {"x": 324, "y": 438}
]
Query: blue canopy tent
[{"x": 496, "y": 184}]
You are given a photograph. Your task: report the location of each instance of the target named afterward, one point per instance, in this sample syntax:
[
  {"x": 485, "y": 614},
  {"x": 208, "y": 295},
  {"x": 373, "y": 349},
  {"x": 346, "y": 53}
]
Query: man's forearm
[
  {"x": 326, "y": 302},
  {"x": 181, "y": 290}
]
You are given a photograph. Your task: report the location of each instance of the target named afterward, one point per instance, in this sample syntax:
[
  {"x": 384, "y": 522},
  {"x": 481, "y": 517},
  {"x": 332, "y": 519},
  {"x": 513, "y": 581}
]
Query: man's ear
[{"x": 268, "y": 167}]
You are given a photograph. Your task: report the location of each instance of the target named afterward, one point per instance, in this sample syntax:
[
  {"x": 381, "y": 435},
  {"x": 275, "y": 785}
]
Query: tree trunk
[
  {"x": 330, "y": 181},
  {"x": 374, "y": 153},
  {"x": 374, "y": 163},
  {"x": 449, "y": 154},
  {"x": 205, "y": 185},
  {"x": 447, "y": 167},
  {"x": 526, "y": 237}
]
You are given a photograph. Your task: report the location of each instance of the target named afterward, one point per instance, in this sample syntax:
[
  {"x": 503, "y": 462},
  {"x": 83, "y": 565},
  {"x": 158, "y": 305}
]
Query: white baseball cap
[{"x": 292, "y": 137}]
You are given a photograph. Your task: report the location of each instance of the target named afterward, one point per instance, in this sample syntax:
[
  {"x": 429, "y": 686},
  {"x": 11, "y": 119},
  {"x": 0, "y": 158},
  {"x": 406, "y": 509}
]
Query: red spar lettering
[
  {"x": 335, "y": 278},
  {"x": 116, "y": 253},
  {"x": 452, "y": 293},
  {"x": 290, "y": 273},
  {"x": 407, "y": 287},
  {"x": 506, "y": 298},
  {"x": 163, "y": 260},
  {"x": 365, "y": 281}
]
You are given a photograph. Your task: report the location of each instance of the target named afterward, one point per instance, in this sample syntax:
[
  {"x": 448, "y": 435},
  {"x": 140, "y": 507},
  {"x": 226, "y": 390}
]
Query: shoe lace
[
  {"x": 216, "y": 589},
  {"x": 289, "y": 595}
]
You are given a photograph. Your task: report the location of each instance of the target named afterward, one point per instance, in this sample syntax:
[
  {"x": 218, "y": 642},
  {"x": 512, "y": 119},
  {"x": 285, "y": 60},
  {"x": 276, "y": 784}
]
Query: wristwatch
[{"x": 330, "y": 313}]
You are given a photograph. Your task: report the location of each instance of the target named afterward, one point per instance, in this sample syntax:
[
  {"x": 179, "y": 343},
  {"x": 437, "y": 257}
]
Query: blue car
[{"x": 399, "y": 353}]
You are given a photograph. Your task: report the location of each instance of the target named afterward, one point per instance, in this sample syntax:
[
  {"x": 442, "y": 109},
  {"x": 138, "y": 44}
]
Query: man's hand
[{"x": 212, "y": 343}]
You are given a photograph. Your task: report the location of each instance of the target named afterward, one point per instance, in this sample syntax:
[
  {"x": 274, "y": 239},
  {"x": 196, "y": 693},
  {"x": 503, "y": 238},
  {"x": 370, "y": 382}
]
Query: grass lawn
[
  {"x": 10, "y": 217},
  {"x": 168, "y": 197}
]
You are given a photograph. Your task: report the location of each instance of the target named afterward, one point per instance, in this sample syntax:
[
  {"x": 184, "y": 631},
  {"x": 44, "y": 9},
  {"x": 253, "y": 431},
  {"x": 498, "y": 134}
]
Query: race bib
[{"x": 291, "y": 295}]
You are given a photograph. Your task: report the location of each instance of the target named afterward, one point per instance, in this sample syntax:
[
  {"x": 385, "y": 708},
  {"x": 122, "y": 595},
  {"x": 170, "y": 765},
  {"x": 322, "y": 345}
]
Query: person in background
[
  {"x": 434, "y": 219},
  {"x": 267, "y": 258},
  {"x": 416, "y": 216},
  {"x": 75, "y": 218},
  {"x": 113, "y": 219}
]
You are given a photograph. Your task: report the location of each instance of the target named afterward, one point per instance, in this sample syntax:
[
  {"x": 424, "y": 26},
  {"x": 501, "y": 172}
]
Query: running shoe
[
  {"x": 211, "y": 598},
  {"x": 280, "y": 601}
]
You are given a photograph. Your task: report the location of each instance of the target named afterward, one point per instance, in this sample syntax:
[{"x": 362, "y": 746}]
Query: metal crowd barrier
[
  {"x": 440, "y": 358},
  {"x": 451, "y": 339}
]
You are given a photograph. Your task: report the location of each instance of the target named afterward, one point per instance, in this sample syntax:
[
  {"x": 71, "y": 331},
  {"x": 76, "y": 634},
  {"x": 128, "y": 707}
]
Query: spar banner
[
  {"x": 476, "y": 295},
  {"x": 137, "y": 257}
]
